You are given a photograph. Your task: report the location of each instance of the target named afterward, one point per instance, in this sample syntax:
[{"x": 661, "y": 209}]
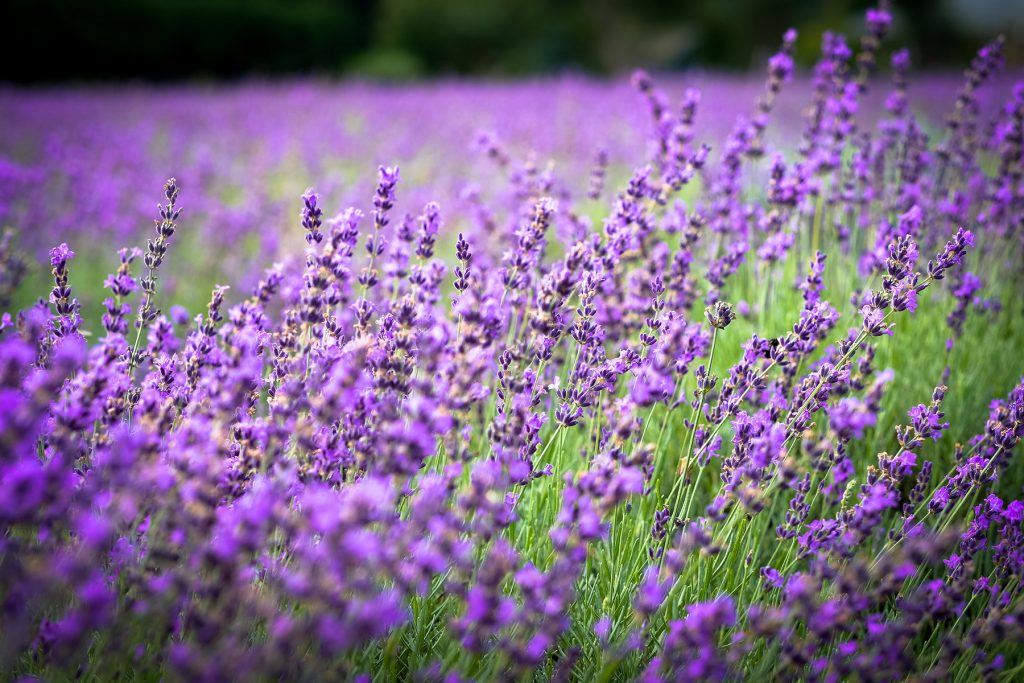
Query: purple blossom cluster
[{"x": 533, "y": 438}]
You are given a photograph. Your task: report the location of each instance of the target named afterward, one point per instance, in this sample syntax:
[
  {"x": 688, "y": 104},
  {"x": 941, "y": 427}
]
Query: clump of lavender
[{"x": 504, "y": 441}]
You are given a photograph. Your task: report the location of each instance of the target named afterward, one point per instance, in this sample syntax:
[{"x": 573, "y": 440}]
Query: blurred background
[
  {"x": 157, "y": 40},
  {"x": 249, "y": 102}
]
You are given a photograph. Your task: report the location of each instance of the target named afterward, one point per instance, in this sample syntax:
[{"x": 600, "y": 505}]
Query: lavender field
[{"x": 671, "y": 378}]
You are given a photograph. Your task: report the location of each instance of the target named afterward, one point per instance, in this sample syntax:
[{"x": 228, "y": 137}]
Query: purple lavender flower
[
  {"x": 952, "y": 254},
  {"x": 850, "y": 417},
  {"x": 312, "y": 216}
]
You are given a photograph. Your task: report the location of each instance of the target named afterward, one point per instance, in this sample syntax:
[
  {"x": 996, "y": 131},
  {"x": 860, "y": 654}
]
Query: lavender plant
[{"x": 755, "y": 413}]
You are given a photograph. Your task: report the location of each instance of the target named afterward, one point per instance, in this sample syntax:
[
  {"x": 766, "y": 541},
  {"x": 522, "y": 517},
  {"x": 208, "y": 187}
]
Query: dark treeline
[{"x": 61, "y": 40}]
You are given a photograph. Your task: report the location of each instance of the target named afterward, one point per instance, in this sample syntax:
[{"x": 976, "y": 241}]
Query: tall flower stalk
[{"x": 147, "y": 312}]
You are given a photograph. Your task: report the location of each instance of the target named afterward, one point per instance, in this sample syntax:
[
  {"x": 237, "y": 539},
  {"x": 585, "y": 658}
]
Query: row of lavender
[
  {"x": 526, "y": 465},
  {"x": 72, "y": 160}
]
